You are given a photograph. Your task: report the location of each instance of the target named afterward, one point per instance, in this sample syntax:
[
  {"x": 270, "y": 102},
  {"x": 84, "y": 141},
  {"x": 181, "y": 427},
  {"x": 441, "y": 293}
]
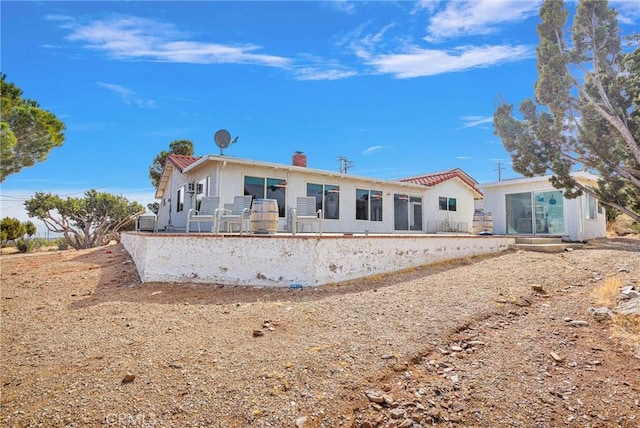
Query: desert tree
[
  {"x": 585, "y": 111},
  {"x": 12, "y": 229},
  {"x": 27, "y": 132},
  {"x": 177, "y": 147},
  {"x": 85, "y": 222}
]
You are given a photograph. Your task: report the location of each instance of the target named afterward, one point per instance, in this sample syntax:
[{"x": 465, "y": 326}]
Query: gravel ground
[{"x": 466, "y": 343}]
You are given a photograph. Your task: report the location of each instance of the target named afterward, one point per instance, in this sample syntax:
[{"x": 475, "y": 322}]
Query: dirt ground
[{"x": 466, "y": 343}]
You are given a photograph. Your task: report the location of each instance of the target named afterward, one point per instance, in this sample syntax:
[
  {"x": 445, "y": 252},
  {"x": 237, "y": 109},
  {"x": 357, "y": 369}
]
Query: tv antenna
[{"x": 223, "y": 140}]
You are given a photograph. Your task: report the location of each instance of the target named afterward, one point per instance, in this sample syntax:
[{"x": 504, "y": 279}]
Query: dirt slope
[{"x": 467, "y": 343}]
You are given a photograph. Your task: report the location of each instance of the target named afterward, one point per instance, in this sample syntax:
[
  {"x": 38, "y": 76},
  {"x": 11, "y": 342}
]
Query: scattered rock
[
  {"x": 406, "y": 423},
  {"x": 396, "y": 413},
  {"x": 301, "y": 421},
  {"x": 628, "y": 292},
  {"x": 538, "y": 289},
  {"x": 456, "y": 348},
  {"x": 578, "y": 323},
  {"x": 374, "y": 397},
  {"x": 557, "y": 358},
  {"x": 258, "y": 333},
  {"x": 128, "y": 378},
  {"x": 601, "y": 314},
  {"x": 387, "y": 356}
]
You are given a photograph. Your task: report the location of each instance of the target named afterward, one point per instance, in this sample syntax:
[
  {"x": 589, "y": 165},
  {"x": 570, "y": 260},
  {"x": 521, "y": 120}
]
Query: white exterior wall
[
  {"x": 576, "y": 226},
  {"x": 227, "y": 181},
  {"x": 450, "y": 189},
  {"x": 280, "y": 261}
]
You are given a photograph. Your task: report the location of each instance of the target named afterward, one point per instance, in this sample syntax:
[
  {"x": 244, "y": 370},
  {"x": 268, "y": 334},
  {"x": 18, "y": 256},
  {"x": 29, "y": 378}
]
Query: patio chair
[
  {"x": 238, "y": 214},
  {"x": 207, "y": 212},
  {"x": 305, "y": 213}
]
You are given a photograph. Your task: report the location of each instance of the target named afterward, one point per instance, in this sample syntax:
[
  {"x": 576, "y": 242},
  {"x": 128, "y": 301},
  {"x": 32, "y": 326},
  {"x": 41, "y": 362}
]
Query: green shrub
[
  {"x": 25, "y": 245},
  {"x": 62, "y": 244}
]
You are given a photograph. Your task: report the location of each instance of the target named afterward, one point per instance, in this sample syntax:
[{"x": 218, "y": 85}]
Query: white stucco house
[
  {"x": 532, "y": 206},
  {"x": 430, "y": 203}
]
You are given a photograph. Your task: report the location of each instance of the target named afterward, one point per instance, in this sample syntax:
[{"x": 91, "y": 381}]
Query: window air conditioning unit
[{"x": 191, "y": 187}]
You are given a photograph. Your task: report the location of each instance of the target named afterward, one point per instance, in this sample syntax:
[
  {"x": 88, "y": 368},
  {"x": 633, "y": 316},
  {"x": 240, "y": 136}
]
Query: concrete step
[
  {"x": 538, "y": 240},
  {"x": 548, "y": 248},
  {"x": 543, "y": 248}
]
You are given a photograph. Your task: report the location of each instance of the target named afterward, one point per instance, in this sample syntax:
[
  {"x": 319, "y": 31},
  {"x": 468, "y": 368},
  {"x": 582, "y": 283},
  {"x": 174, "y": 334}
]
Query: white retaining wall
[{"x": 283, "y": 260}]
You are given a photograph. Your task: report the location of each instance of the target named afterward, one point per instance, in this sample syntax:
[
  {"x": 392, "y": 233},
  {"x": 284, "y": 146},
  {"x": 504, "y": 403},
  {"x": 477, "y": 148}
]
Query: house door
[
  {"x": 407, "y": 212},
  {"x": 535, "y": 213}
]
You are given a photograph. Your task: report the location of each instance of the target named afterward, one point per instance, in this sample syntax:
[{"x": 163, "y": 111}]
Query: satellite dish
[{"x": 223, "y": 140}]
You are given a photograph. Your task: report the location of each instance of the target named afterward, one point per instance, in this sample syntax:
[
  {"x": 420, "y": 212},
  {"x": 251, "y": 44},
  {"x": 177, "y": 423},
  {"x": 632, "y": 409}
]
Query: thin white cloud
[
  {"x": 127, "y": 95},
  {"x": 417, "y": 62},
  {"x": 133, "y": 38},
  {"x": 472, "y": 121},
  {"x": 474, "y": 17},
  {"x": 344, "y": 6},
  {"x": 373, "y": 149},
  {"x": 322, "y": 73},
  {"x": 317, "y": 68},
  {"x": 628, "y": 11},
  {"x": 463, "y": 157}
]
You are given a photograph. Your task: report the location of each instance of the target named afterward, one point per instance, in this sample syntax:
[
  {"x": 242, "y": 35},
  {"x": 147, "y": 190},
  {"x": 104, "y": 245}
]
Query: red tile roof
[
  {"x": 430, "y": 180},
  {"x": 181, "y": 161}
]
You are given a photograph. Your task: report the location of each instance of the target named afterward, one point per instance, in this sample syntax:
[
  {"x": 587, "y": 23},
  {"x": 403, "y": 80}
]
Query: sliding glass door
[{"x": 535, "y": 213}]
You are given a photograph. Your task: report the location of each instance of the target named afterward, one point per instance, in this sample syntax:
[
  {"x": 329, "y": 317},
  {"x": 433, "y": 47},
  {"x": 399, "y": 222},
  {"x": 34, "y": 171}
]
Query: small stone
[
  {"x": 406, "y": 423},
  {"x": 538, "y": 289},
  {"x": 456, "y": 348},
  {"x": 578, "y": 323},
  {"x": 557, "y": 358},
  {"x": 128, "y": 378},
  {"x": 301, "y": 421},
  {"x": 387, "y": 356},
  {"x": 258, "y": 333},
  {"x": 374, "y": 397},
  {"x": 455, "y": 379},
  {"x": 366, "y": 424},
  {"x": 175, "y": 365},
  {"x": 396, "y": 413},
  {"x": 475, "y": 342},
  {"x": 455, "y": 419},
  {"x": 388, "y": 399}
]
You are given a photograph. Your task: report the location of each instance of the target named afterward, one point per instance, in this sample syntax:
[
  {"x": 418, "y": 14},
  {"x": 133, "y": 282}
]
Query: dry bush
[
  {"x": 626, "y": 328},
  {"x": 605, "y": 294}
]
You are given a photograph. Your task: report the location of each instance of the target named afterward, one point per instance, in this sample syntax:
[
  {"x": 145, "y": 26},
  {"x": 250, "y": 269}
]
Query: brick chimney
[{"x": 299, "y": 159}]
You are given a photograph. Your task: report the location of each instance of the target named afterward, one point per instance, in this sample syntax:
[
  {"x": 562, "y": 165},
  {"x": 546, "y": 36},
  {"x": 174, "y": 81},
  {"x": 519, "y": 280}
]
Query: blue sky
[{"x": 398, "y": 88}]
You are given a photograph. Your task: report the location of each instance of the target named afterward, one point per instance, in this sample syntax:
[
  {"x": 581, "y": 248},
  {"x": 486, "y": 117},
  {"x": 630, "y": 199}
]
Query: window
[
  {"x": 407, "y": 211},
  {"x": 327, "y": 199},
  {"x": 180, "y": 205},
  {"x": 200, "y": 192},
  {"x": 447, "y": 204},
  {"x": 368, "y": 205},
  {"x": 269, "y": 188},
  {"x": 590, "y": 209}
]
